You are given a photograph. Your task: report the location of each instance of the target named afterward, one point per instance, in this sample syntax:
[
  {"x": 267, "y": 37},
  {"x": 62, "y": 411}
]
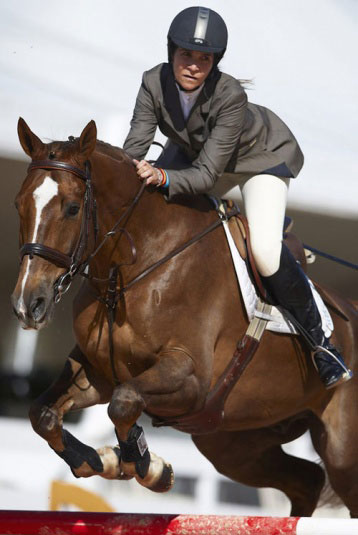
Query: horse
[{"x": 154, "y": 331}]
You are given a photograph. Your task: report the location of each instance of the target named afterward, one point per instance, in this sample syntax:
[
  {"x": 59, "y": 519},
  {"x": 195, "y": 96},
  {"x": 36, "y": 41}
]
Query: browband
[{"x": 58, "y": 166}]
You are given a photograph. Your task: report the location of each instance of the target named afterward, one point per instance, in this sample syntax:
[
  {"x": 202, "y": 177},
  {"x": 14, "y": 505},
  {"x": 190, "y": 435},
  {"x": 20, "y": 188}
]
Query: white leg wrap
[
  {"x": 111, "y": 464},
  {"x": 156, "y": 468}
]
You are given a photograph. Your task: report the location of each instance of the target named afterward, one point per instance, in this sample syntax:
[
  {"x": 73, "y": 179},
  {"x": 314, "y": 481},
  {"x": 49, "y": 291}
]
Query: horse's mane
[
  {"x": 67, "y": 147},
  {"x": 114, "y": 152}
]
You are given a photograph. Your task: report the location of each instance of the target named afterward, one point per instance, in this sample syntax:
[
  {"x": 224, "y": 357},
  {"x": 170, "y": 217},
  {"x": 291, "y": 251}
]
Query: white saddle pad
[{"x": 277, "y": 322}]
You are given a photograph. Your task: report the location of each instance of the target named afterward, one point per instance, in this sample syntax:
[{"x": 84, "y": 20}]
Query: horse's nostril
[{"x": 37, "y": 308}]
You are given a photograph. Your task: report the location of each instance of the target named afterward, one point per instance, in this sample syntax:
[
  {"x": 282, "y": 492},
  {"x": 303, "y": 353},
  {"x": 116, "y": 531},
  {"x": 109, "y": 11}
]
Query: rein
[{"x": 174, "y": 253}]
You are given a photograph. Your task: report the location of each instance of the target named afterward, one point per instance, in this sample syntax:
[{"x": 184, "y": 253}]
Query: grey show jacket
[{"x": 223, "y": 133}]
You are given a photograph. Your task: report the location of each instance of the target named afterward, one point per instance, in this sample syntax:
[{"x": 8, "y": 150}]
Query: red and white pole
[{"x": 81, "y": 523}]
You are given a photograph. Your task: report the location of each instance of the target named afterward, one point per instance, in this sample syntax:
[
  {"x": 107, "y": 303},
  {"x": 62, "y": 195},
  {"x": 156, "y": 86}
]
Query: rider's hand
[{"x": 147, "y": 172}]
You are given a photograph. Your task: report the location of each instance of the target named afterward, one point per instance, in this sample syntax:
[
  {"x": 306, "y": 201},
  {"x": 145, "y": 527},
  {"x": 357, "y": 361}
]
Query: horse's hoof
[
  {"x": 160, "y": 476},
  {"x": 166, "y": 480}
]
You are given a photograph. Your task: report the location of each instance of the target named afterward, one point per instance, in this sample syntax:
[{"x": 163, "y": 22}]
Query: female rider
[{"x": 217, "y": 140}]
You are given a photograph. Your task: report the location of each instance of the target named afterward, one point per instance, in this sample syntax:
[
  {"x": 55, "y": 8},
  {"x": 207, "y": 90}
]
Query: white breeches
[{"x": 264, "y": 198}]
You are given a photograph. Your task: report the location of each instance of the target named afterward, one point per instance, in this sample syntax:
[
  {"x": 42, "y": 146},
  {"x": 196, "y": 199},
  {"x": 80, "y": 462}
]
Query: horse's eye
[{"x": 72, "y": 209}]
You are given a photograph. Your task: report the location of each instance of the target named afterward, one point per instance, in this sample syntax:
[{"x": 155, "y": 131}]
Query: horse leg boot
[
  {"x": 290, "y": 288},
  {"x": 77, "y": 387},
  {"x": 137, "y": 461},
  {"x": 169, "y": 383}
]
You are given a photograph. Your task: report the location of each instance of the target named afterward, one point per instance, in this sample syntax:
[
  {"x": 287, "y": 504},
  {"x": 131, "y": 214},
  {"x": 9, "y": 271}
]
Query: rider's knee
[
  {"x": 267, "y": 254},
  {"x": 126, "y": 404}
]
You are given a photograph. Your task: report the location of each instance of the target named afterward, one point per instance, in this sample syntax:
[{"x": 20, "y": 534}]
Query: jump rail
[{"x": 80, "y": 523}]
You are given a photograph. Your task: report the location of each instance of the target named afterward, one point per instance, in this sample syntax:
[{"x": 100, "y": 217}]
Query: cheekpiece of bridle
[{"x": 74, "y": 262}]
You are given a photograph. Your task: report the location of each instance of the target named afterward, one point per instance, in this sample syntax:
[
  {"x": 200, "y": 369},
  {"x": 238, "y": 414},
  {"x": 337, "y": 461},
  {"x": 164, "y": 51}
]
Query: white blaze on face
[{"x": 42, "y": 196}]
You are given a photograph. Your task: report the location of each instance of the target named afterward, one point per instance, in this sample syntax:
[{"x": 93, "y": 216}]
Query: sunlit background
[{"x": 65, "y": 63}]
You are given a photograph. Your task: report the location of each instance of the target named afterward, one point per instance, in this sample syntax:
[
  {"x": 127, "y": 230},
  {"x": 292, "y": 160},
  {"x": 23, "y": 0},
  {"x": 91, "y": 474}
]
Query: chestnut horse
[{"x": 174, "y": 330}]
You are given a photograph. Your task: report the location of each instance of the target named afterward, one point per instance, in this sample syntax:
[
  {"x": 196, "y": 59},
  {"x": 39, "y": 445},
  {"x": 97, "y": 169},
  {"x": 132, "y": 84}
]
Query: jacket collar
[{"x": 172, "y": 101}]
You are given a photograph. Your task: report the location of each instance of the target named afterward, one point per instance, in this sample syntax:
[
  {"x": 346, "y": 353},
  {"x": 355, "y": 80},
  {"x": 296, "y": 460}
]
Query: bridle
[{"x": 74, "y": 263}]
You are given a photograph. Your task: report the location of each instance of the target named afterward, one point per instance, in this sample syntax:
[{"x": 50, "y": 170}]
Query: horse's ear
[
  {"x": 87, "y": 140},
  {"x": 29, "y": 141}
]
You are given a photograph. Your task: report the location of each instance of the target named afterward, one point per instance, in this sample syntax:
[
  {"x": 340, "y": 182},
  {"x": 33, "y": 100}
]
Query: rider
[{"x": 217, "y": 140}]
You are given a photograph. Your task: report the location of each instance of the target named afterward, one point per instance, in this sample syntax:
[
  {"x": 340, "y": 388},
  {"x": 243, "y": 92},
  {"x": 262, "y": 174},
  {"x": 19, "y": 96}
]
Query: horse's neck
[
  {"x": 154, "y": 227},
  {"x": 116, "y": 186}
]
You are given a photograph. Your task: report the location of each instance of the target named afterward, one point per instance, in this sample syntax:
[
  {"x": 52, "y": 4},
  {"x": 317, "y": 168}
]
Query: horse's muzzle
[{"x": 33, "y": 309}]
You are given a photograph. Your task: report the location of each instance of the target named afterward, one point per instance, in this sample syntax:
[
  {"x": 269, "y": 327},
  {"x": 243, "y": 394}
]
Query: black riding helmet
[{"x": 198, "y": 28}]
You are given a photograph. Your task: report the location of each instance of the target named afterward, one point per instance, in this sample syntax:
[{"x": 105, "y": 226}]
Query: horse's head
[{"x": 52, "y": 210}]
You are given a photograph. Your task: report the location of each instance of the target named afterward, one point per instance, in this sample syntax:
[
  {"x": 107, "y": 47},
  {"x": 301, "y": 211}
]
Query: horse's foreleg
[
  {"x": 77, "y": 387},
  {"x": 167, "y": 382}
]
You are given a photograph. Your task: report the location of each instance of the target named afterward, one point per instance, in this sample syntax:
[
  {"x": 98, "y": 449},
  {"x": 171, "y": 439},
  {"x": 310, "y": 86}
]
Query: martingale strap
[
  {"x": 172, "y": 255},
  {"x": 234, "y": 211}
]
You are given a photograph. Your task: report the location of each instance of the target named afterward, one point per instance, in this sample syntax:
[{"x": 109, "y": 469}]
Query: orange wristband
[{"x": 164, "y": 177}]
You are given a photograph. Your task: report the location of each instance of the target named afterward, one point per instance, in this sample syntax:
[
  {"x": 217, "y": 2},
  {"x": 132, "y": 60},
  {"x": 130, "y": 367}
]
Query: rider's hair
[{"x": 172, "y": 48}]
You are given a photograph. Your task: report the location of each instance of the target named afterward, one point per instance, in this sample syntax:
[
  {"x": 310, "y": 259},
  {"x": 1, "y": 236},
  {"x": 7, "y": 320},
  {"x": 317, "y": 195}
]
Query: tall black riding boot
[{"x": 290, "y": 289}]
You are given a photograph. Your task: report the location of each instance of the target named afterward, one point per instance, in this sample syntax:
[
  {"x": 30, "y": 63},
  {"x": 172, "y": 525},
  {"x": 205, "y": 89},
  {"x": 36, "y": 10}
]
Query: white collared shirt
[{"x": 188, "y": 99}]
